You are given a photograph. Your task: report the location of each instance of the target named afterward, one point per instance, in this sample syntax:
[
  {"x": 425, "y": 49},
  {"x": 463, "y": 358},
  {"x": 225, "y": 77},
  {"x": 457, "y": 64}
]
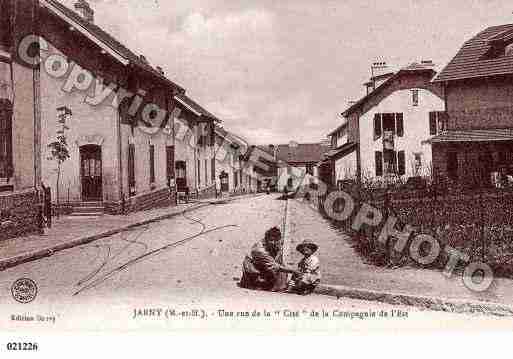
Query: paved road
[{"x": 101, "y": 284}]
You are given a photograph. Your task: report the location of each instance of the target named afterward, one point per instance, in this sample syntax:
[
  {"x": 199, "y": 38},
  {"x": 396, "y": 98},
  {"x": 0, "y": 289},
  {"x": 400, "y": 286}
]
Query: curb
[
  {"x": 47, "y": 252},
  {"x": 427, "y": 303}
]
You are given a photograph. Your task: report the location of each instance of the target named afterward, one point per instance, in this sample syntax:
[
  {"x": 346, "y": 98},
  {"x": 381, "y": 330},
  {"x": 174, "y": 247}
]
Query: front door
[
  {"x": 225, "y": 185},
  {"x": 91, "y": 172}
]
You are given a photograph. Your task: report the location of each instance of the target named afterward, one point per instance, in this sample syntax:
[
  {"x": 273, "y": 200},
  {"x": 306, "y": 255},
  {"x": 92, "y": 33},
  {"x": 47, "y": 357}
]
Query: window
[
  {"x": 415, "y": 97},
  {"x": 206, "y": 172},
  {"x": 213, "y": 170},
  {"x": 199, "y": 173},
  {"x": 377, "y": 126},
  {"x": 389, "y": 161},
  {"x": 6, "y": 160},
  {"x": 401, "y": 163},
  {"x": 309, "y": 169},
  {"x": 131, "y": 168},
  {"x": 235, "y": 179},
  {"x": 418, "y": 162},
  {"x": 438, "y": 121},
  {"x": 452, "y": 165},
  {"x": 170, "y": 162},
  {"x": 152, "y": 163},
  {"x": 390, "y": 124},
  {"x": 399, "y": 124},
  {"x": 378, "y": 157}
]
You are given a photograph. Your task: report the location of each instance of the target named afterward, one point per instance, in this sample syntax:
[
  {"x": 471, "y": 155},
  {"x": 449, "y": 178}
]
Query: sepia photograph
[{"x": 233, "y": 166}]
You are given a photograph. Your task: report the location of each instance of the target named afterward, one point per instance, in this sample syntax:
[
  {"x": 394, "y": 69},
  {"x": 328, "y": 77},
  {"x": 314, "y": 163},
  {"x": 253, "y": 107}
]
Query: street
[{"x": 144, "y": 269}]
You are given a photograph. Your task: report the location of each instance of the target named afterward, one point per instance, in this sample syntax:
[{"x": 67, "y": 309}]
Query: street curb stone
[
  {"x": 428, "y": 303},
  {"x": 49, "y": 251}
]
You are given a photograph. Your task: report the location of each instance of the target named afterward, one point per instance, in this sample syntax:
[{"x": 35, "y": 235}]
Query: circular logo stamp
[{"x": 24, "y": 290}]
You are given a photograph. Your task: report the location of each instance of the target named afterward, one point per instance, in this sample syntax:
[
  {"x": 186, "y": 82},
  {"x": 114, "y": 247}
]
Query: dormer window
[{"x": 500, "y": 45}]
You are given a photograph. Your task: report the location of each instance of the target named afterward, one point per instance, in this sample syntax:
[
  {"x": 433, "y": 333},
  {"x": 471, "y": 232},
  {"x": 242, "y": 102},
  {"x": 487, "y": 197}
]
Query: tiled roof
[
  {"x": 301, "y": 153},
  {"x": 414, "y": 67},
  {"x": 474, "y": 136},
  {"x": 195, "y": 107},
  {"x": 112, "y": 42},
  {"x": 472, "y": 61}
]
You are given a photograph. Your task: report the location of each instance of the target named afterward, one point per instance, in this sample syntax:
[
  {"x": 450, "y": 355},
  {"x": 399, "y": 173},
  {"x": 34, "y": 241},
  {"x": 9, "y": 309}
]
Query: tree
[{"x": 59, "y": 153}]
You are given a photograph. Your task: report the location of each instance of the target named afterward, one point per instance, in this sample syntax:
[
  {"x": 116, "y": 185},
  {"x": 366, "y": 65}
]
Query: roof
[
  {"x": 112, "y": 42},
  {"x": 347, "y": 147},
  {"x": 471, "y": 60},
  {"x": 490, "y": 135},
  {"x": 301, "y": 153},
  {"x": 344, "y": 124},
  {"x": 194, "y": 107},
  {"x": 414, "y": 67}
]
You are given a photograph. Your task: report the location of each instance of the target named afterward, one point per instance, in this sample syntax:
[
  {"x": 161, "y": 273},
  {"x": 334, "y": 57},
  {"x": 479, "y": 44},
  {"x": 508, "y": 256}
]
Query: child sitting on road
[{"x": 309, "y": 274}]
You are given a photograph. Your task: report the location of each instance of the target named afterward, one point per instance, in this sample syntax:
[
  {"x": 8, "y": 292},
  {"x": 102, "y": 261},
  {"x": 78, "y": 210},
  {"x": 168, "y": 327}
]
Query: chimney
[
  {"x": 378, "y": 69},
  {"x": 143, "y": 59},
  {"x": 160, "y": 70},
  {"x": 428, "y": 63}
]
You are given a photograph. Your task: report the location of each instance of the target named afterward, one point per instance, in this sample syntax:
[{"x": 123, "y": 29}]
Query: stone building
[
  {"x": 477, "y": 145},
  {"x": 19, "y": 121}
]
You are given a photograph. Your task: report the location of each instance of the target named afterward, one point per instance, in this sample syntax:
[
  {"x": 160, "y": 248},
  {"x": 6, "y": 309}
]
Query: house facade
[
  {"x": 298, "y": 164},
  {"x": 195, "y": 150},
  {"x": 385, "y": 135},
  {"x": 477, "y": 146},
  {"x": 20, "y": 166},
  {"x": 113, "y": 108}
]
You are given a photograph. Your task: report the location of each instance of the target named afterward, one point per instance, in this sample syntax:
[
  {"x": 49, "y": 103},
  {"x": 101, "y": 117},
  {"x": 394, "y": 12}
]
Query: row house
[
  {"x": 235, "y": 169},
  {"x": 265, "y": 166},
  {"x": 113, "y": 108},
  {"x": 20, "y": 167},
  {"x": 385, "y": 135},
  {"x": 477, "y": 145},
  {"x": 195, "y": 166}
]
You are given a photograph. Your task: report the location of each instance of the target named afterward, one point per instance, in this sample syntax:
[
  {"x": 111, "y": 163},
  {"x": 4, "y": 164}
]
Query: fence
[{"x": 476, "y": 221}]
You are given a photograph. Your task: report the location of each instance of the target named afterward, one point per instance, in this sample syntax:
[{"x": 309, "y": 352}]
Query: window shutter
[
  {"x": 152, "y": 163},
  {"x": 131, "y": 165},
  {"x": 399, "y": 124},
  {"x": 170, "y": 156},
  {"x": 379, "y": 163},
  {"x": 401, "y": 163},
  {"x": 432, "y": 123},
  {"x": 377, "y": 126}
]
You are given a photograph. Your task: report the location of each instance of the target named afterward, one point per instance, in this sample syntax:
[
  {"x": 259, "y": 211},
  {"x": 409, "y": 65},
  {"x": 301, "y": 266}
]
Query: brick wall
[
  {"x": 482, "y": 103},
  {"x": 18, "y": 214}
]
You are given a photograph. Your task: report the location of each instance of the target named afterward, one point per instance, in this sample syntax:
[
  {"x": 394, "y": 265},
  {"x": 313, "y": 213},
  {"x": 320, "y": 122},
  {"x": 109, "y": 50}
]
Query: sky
[{"x": 276, "y": 71}]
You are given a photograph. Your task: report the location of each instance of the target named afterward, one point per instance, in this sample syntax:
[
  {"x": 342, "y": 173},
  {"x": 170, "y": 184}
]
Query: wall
[
  {"x": 345, "y": 167},
  {"x": 416, "y": 129},
  {"x": 88, "y": 125},
  {"x": 482, "y": 103}
]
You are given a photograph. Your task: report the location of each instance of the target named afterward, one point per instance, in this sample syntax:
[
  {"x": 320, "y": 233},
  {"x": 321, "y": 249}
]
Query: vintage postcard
[{"x": 241, "y": 166}]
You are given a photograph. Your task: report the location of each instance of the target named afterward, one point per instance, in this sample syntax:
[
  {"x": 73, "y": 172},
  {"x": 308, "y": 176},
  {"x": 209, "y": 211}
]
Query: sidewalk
[
  {"x": 68, "y": 232},
  {"x": 348, "y": 275}
]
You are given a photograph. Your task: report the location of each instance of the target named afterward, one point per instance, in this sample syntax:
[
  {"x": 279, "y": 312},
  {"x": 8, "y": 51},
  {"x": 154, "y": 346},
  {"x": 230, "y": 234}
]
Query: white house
[{"x": 385, "y": 134}]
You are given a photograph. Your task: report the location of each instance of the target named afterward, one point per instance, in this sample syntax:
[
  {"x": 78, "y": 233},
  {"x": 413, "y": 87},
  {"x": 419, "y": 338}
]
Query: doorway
[{"x": 91, "y": 172}]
